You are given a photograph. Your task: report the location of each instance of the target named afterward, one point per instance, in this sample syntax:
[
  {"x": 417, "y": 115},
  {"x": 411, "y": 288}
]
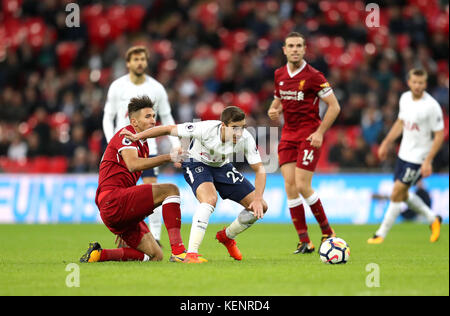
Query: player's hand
[
  {"x": 129, "y": 135},
  {"x": 383, "y": 151},
  {"x": 257, "y": 207},
  {"x": 177, "y": 155},
  {"x": 316, "y": 139},
  {"x": 426, "y": 169},
  {"x": 274, "y": 113},
  {"x": 177, "y": 165}
]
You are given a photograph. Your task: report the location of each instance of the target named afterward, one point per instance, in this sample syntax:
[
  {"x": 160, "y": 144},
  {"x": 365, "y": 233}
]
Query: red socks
[
  {"x": 172, "y": 219},
  {"x": 298, "y": 218},
  {"x": 317, "y": 209},
  {"x": 121, "y": 254}
]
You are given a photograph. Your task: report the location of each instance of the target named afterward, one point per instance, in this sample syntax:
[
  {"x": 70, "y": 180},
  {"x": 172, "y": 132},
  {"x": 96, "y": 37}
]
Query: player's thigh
[
  {"x": 149, "y": 246},
  {"x": 163, "y": 190},
  {"x": 399, "y": 191},
  {"x": 149, "y": 180},
  {"x": 303, "y": 180},
  {"x": 207, "y": 193},
  {"x": 249, "y": 198},
  {"x": 288, "y": 172}
]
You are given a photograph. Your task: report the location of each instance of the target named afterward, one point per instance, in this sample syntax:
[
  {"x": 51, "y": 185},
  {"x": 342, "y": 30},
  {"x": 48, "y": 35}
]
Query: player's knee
[
  {"x": 171, "y": 190},
  {"x": 399, "y": 195},
  {"x": 157, "y": 254},
  {"x": 211, "y": 200}
]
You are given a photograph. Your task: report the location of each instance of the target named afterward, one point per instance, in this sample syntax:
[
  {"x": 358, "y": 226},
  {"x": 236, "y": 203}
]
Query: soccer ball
[{"x": 334, "y": 250}]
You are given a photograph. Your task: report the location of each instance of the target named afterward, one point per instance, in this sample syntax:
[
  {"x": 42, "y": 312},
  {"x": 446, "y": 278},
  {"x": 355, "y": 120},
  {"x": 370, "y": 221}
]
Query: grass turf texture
[{"x": 33, "y": 260}]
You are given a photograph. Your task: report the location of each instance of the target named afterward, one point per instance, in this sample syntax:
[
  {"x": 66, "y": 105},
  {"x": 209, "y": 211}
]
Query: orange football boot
[{"x": 230, "y": 244}]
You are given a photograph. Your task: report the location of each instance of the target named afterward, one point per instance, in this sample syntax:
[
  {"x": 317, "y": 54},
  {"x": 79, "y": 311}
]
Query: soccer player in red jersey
[
  {"x": 298, "y": 90},
  {"x": 124, "y": 205}
]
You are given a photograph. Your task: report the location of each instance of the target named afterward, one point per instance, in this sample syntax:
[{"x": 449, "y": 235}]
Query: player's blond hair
[
  {"x": 136, "y": 50},
  {"x": 417, "y": 72}
]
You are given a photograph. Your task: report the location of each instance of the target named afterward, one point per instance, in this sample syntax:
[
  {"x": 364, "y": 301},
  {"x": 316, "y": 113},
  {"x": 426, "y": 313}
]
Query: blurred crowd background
[{"x": 209, "y": 54}]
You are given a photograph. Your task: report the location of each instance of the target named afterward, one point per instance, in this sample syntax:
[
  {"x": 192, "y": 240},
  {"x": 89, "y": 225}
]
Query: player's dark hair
[
  {"x": 136, "y": 50},
  {"x": 232, "y": 114},
  {"x": 417, "y": 72},
  {"x": 294, "y": 34},
  {"x": 138, "y": 103}
]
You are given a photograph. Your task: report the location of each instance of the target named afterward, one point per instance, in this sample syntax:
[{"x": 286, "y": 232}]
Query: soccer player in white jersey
[
  {"x": 420, "y": 117},
  {"x": 208, "y": 170},
  {"x": 137, "y": 84}
]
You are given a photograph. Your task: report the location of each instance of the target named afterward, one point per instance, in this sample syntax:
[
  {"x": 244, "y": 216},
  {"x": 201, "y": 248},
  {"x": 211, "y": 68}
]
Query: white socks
[
  {"x": 418, "y": 205},
  {"x": 155, "y": 221},
  {"x": 200, "y": 222},
  {"x": 414, "y": 202},
  {"x": 391, "y": 215},
  {"x": 244, "y": 220}
]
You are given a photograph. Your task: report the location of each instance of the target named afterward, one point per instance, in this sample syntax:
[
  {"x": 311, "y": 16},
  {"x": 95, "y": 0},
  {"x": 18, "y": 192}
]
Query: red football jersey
[
  {"x": 113, "y": 171},
  {"x": 299, "y": 93}
]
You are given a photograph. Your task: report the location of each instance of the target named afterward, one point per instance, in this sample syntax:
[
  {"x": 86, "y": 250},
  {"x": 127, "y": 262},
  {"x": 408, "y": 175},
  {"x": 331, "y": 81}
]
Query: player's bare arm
[
  {"x": 151, "y": 132},
  {"x": 135, "y": 163},
  {"x": 427, "y": 165},
  {"x": 275, "y": 110},
  {"x": 260, "y": 184},
  {"x": 333, "y": 110},
  {"x": 394, "y": 133}
]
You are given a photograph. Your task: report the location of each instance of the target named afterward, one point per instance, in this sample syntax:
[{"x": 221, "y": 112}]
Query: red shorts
[
  {"x": 301, "y": 152},
  {"x": 123, "y": 211}
]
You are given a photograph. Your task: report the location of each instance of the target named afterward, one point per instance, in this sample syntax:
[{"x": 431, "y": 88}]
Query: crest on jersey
[
  {"x": 126, "y": 141},
  {"x": 199, "y": 169},
  {"x": 301, "y": 85},
  {"x": 190, "y": 127}
]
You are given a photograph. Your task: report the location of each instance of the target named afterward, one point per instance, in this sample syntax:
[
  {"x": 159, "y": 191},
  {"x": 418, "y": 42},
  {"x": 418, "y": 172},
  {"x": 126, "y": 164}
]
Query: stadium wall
[{"x": 347, "y": 198}]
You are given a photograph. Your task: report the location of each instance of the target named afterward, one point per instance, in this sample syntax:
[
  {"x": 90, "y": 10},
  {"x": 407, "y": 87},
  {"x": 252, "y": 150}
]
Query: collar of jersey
[{"x": 295, "y": 73}]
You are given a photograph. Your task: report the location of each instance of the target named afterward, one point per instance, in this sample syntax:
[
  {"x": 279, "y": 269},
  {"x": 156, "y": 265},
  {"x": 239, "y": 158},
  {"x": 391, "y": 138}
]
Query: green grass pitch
[{"x": 33, "y": 261}]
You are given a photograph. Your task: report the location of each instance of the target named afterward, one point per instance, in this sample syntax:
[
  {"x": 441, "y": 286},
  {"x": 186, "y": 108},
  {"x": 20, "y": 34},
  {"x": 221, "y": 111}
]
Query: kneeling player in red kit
[{"x": 124, "y": 205}]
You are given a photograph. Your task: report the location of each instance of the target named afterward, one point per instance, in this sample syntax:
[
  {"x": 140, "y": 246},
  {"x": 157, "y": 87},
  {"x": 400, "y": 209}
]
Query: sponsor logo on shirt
[{"x": 292, "y": 95}]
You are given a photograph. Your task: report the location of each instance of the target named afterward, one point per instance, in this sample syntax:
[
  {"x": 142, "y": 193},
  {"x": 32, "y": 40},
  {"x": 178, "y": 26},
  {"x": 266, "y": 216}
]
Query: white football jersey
[
  {"x": 121, "y": 91},
  {"x": 420, "y": 119},
  {"x": 205, "y": 144}
]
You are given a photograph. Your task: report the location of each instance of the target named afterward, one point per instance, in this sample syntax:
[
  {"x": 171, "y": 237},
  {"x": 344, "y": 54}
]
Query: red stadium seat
[
  {"x": 36, "y": 30},
  {"x": 67, "y": 53},
  {"x": 247, "y": 101},
  {"x": 117, "y": 16},
  {"x": 91, "y": 12},
  {"x": 40, "y": 165},
  {"x": 207, "y": 12},
  {"x": 223, "y": 58},
  {"x": 135, "y": 14},
  {"x": 11, "y": 8},
  {"x": 58, "y": 164}
]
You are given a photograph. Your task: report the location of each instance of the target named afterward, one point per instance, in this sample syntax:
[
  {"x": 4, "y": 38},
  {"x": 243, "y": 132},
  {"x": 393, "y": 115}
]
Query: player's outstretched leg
[
  {"x": 95, "y": 253},
  {"x": 245, "y": 219},
  {"x": 418, "y": 205}
]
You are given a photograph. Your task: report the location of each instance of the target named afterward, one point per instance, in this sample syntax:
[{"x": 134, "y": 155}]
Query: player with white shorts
[
  {"x": 208, "y": 170},
  {"x": 137, "y": 84},
  {"x": 420, "y": 117}
]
